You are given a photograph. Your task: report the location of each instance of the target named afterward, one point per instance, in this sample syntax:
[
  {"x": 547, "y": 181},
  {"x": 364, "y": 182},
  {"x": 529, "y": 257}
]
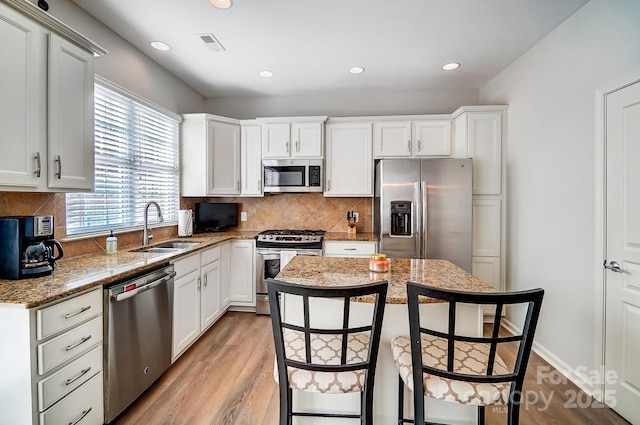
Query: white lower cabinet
[
  {"x": 197, "y": 297},
  {"x": 82, "y": 407},
  {"x": 355, "y": 249},
  {"x": 225, "y": 275},
  {"x": 242, "y": 273},
  {"x": 52, "y": 373}
]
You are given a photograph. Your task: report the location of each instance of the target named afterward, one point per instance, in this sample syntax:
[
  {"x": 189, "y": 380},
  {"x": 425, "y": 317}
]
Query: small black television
[{"x": 215, "y": 217}]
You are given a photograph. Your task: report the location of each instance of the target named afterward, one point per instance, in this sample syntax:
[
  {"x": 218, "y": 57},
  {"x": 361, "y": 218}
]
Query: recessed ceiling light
[
  {"x": 266, "y": 74},
  {"x": 356, "y": 70},
  {"x": 220, "y": 4},
  {"x": 159, "y": 45},
  {"x": 451, "y": 66}
]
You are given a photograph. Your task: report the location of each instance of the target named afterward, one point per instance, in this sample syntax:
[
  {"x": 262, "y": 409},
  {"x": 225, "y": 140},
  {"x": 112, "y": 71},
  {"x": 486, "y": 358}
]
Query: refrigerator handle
[
  {"x": 423, "y": 215},
  {"x": 417, "y": 218}
]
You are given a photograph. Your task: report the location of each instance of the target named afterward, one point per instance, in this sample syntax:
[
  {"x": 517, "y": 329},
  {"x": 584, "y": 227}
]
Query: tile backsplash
[
  {"x": 296, "y": 211},
  {"x": 290, "y": 210}
]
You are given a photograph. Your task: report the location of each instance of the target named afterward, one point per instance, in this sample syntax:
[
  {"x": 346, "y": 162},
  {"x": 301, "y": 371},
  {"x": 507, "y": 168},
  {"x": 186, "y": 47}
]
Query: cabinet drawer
[
  {"x": 60, "y": 349},
  {"x": 84, "y": 406},
  {"x": 67, "y": 314},
  {"x": 69, "y": 378},
  {"x": 209, "y": 256},
  {"x": 349, "y": 249},
  {"x": 186, "y": 265}
]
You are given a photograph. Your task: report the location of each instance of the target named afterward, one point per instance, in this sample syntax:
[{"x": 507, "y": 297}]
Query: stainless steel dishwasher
[{"x": 137, "y": 335}]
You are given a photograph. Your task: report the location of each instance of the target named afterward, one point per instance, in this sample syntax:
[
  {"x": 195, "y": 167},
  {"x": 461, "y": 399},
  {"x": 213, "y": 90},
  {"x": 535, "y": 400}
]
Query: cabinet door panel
[
  {"x": 251, "y": 163},
  {"x": 485, "y": 147},
  {"x": 223, "y": 158},
  {"x": 210, "y": 296},
  {"x": 486, "y": 228},
  {"x": 225, "y": 276},
  {"x": 392, "y": 139},
  {"x": 71, "y": 146},
  {"x": 487, "y": 269},
  {"x": 349, "y": 163},
  {"x": 186, "y": 311},
  {"x": 276, "y": 141},
  {"x": 306, "y": 140},
  {"x": 242, "y": 273},
  {"x": 22, "y": 107},
  {"x": 432, "y": 138}
]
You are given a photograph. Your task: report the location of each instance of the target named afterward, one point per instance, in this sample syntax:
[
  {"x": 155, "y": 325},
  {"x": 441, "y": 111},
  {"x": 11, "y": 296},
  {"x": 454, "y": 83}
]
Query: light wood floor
[{"x": 226, "y": 378}]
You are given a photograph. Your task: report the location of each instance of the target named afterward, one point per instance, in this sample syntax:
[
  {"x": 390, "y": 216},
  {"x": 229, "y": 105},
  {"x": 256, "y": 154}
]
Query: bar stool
[
  {"x": 445, "y": 365},
  {"x": 328, "y": 360}
]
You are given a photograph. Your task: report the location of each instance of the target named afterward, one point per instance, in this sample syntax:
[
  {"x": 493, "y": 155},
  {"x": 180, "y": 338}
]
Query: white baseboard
[{"x": 570, "y": 373}]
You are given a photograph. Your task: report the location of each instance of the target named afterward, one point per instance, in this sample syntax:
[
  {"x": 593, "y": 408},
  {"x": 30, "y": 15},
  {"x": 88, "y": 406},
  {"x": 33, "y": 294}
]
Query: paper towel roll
[{"x": 185, "y": 223}]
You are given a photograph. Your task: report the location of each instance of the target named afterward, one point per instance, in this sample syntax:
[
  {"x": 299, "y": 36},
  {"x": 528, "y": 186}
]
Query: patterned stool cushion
[
  {"x": 469, "y": 358},
  {"x": 325, "y": 350}
]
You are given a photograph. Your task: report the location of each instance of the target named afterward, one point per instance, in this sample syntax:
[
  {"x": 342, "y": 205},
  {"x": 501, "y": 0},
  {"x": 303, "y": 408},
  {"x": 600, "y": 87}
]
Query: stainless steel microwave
[{"x": 292, "y": 175}]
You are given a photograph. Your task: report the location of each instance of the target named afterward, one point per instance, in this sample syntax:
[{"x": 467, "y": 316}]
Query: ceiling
[{"x": 310, "y": 45}]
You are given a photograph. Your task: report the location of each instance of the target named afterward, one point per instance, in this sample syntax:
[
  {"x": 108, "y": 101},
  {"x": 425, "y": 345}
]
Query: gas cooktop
[{"x": 286, "y": 236}]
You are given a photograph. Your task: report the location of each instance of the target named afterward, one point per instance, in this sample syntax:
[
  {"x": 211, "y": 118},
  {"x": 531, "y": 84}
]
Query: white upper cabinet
[
  {"x": 392, "y": 139},
  {"x": 251, "y": 160},
  {"x": 397, "y": 139},
  {"x": 71, "y": 144},
  {"x": 210, "y": 156},
  {"x": 46, "y": 102},
  {"x": 349, "y": 162},
  {"x": 479, "y": 135},
  {"x": 431, "y": 138},
  {"x": 292, "y": 139},
  {"x": 22, "y": 107}
]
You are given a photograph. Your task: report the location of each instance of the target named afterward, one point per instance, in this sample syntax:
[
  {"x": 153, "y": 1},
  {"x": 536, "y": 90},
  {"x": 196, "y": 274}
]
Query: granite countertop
[
  {"x": 331, "y": 271},
  {"x": 77, "y": 274},
  {"x": 344, "y": 236}
]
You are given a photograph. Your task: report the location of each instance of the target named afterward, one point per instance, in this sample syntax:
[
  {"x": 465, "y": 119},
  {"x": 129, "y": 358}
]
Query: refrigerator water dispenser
[{"x": 401, "y": 218}]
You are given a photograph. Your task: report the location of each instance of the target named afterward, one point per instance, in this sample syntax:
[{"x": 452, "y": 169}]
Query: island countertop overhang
[{"x": 333, "y": 271}]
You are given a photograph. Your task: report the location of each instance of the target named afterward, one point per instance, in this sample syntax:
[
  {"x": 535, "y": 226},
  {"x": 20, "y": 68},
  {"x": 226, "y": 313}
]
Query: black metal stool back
[
  {"x": 506, "y": 381},
  {"x": 295, "y": 342}
]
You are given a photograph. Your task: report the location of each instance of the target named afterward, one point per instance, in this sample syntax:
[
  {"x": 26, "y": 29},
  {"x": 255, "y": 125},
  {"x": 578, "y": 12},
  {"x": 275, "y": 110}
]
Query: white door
[{"x": 622, "y": 352}]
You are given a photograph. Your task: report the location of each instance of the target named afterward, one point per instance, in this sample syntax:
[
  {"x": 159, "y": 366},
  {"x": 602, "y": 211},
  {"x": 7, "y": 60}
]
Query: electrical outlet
[
  {"x": 243, "y": 216},
  {"x": 356, "y": 216}
]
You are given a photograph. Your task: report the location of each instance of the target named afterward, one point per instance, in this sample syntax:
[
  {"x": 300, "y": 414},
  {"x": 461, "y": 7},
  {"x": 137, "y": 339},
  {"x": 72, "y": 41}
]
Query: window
[{"x": 136, "y": 161}]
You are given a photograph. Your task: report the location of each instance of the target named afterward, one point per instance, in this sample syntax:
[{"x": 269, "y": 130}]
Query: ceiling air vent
[{"x": 211, "y": 42}]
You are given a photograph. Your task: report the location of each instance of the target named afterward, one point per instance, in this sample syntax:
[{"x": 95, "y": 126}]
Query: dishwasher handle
[{"x": 134, "y": 292}]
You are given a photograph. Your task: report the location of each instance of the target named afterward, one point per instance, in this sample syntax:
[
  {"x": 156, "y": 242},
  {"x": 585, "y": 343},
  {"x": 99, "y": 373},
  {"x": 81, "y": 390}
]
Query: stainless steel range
[{"x": 271, "y": 247}]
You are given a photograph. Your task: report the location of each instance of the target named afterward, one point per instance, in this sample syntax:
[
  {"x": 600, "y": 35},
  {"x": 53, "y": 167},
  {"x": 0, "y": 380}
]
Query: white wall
[
  {"x": 344, "y": 104},
  {"x": 127, "y": 66},
  {"x": 551, "y": 216}
]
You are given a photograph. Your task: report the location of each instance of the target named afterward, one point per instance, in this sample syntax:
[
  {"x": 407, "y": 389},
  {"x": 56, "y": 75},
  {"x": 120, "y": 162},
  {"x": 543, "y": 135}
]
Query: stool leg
[
  {"x": 480, "y": 415},
  {"x": 400, "y": 401}
]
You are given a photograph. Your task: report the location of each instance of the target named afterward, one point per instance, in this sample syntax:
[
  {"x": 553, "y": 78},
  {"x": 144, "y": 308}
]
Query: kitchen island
[{"x": 324, "y": 271}]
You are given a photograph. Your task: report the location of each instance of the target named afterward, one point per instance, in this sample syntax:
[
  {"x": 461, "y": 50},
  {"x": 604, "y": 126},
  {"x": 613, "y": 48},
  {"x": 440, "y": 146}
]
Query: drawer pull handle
[
  {"x": 82, "y": 341},
  {"x": 80, "y": 375},
  {"x": 82, "y": 415},
  {"x": 82, "y": 310},
  {"x": 349, "y": 249}
]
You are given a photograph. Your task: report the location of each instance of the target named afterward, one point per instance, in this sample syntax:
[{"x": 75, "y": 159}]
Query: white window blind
[{"x": 136, "y": 161}]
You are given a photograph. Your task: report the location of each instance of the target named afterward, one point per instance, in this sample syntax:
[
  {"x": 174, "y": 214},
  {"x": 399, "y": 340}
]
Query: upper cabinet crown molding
[
  {"x": 209, "y": 117},
  {"x": 289, "y": 120},
  {"x": 478, "y": 108},
  {"x": 38, "y": 15}
]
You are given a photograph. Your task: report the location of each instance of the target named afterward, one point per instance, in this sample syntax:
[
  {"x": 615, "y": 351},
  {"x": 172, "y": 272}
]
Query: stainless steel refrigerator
[{"x": 423, "y": 209}]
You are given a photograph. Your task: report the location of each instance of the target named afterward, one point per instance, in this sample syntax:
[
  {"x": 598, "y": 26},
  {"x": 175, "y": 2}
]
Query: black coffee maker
[{"x": 27, "y": 247}]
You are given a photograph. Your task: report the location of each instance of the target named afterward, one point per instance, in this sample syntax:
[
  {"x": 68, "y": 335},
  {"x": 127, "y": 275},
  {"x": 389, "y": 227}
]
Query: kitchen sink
[
  {"x": 167, "y": 247},
  {"x": 176, "y": 244}
]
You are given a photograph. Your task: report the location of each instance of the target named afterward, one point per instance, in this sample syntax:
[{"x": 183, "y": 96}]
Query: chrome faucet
[{"x": 146, "y": 234}]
